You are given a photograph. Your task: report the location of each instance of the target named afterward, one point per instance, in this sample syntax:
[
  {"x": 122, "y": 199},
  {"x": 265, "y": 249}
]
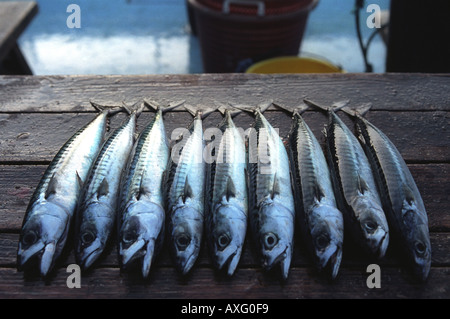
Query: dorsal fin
[
  {"x": 79, "y": 181},
  {"x": 103, "y": 189},
  {"x": 318, "y": 192},
  {"x": 276, "y": 189},
  {"x": 357, "y": 111},
  {"x": 231, "y": 189},
  {"x": 157, "y": 107},
  {"x": 142, "y": 190},
  {"x": 187, "y": 193},
  {"x": 409, "y": 194},
  {"x": 52, "y": 186},
  {"x": 362, "y": 185}
]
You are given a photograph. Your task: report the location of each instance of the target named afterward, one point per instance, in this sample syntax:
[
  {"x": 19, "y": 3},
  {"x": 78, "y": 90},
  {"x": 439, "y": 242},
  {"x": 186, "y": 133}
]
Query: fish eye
[
  {"x": 223, "y": 241},
  {"x": 87, "y": 237},
  {"x": 322, "y": 241},
  {"x": 129, "y": 237},
  {"x": 270, "y": 240},
  {"x": 370, "y": 226},
  {"x": 182, "y": 242},
  {"x": 29, "y": 238},
  {"x": 420, "y": 248}
]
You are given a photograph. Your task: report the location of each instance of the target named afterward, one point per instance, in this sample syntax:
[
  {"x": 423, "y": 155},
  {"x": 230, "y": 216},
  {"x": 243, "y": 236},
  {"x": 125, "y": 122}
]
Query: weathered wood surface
[
  {"x": 14, "y": 18},
  {"x": 38, "y": 114}
]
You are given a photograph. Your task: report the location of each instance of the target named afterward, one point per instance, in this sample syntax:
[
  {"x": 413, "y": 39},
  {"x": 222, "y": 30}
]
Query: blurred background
[{"x": 156, "y": 37}]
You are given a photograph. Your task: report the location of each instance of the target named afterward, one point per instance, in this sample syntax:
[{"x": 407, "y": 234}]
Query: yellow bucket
[{"x": 294, "y": 64}]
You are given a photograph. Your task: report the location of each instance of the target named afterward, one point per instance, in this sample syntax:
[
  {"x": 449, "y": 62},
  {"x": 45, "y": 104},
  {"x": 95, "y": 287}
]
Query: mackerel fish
[
  {"x": 141, "y": 217},
  {"x": 271, "y": 200},
  {"x": 185, "y": 195},
  {"x": 96, "y": 212},
  {"x": 227, "y": 200},
  {"x": 321, "y": 222},
  {"x": 355, "y": 188},
  {"x": 401, "y": 199},
  {"x": 50, "y": 212}
]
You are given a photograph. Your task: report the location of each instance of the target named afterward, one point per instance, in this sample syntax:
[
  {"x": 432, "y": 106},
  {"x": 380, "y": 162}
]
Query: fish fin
[
  {"x": 315, "y": 105},
  {"x": 193, "y": 111},
  {"x": 157, "y": 107},
  {"x": 231, "y": 189},
  {"x": 103, "y": 189},
  {"x": 142, "y": 190},
  {"x": 318, "y": 192},
  {"x": 79, "y": 181},
  {"x": 362, "y": 185},
  {"x": 128, "y": 109},
  {"x": 336, "y": 106},
  {"x": 52, "y": 186},
  {"x": 357, "y": 111},
  {"x": 409, "y": 194},
  {"x": 265, "y": 105},
  {"x": 276, "y": 190},
  {"x": 188, "y": 193}
]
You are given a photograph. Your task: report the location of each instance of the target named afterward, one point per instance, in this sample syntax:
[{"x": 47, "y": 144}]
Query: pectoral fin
[
  {"x": 231, "y": 189},
  {"x": 52, "y": 186},
  {"x": 103, "y": 189},
  {"x": 188, "y": 193}
]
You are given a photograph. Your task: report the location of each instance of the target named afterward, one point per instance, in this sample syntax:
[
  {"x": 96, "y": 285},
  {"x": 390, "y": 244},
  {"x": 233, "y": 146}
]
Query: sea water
[{"x": 153, "y": 37}]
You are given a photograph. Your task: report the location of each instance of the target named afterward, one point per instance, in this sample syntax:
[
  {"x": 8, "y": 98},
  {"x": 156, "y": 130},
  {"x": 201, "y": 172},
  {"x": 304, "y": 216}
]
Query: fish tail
[
  {"x": 336, "y": 106},
  {"x": 158, "y": 107}
]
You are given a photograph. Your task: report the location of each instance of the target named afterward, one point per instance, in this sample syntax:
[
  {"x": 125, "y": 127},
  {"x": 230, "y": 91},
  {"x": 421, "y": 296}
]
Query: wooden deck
[{"x": 39, "y": 113}]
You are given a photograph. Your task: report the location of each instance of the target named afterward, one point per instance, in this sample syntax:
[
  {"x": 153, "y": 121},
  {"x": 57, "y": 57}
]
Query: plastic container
[
  {"x": 294, "y": 64},
  {"x": 233, "y": 34}
]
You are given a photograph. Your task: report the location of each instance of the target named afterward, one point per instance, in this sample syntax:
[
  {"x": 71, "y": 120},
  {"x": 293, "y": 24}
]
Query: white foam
[
  {"x": 58, "y": 54},
  {"x": 122, "y": 54}
]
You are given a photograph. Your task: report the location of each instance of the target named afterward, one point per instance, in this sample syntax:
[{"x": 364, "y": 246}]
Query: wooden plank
[
  {"x": 246, "y": 284},
  {"x": 72, "y": 93},
  {"x": 36, "y": 137},
  {"x": 14, "y": 18}
]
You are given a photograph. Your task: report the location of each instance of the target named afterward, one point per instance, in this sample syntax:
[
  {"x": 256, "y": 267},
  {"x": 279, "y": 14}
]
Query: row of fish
[{"x": 151, "y": 191}]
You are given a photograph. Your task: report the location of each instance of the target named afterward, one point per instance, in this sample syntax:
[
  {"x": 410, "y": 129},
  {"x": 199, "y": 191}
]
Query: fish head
[
  {"x": 373, "y": 226},
  {"x": 186, "y": 236},
  {"x": 227, "y": 236},
  {"x": 43, "y": 236},
  {"x": 418, "y": 240},
  {"x": 327, "y": 236},
  {"x": 138, "y": 234},
  {"x": 93, "y": 232},
  {"x": 276, "y": 237}
]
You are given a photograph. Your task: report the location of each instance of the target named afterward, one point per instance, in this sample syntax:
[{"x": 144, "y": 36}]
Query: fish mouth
[
  {"x": 379, "y": 243},
  {"x": 44, "y": 252},
  {"x": 229, "y": 259},
  {"x": 140, "y": 249},
  {"x": 89, "y": 255},
  {"x": 331, "y": 264},
  {"x": 185, "y": 263},
  {"x": 283, "y": 259}
]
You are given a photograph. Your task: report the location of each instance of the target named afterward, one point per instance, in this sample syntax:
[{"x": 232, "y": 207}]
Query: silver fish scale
[
  {"x": 110, "y": 163},
  {"x": 231, "y": 157},
  {"x": 313, "y": 169},
  {"x": 274, "y": 164},
  {"x": 150, "y": 159},
  {"x": 189, "y": 166},
  {"x": 352, "y": 162},
  {"x": 271, "y": 200},
  {"x": 76, "y": 157},
  {"x": 401, "y": 198}
]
